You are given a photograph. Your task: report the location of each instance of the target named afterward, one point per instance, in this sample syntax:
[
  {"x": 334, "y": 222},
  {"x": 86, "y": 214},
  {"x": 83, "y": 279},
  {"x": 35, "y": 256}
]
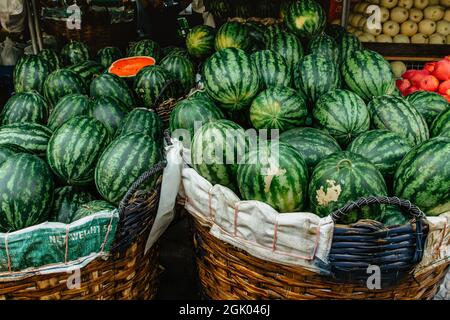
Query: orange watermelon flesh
[{"x": 129, "y": 67}]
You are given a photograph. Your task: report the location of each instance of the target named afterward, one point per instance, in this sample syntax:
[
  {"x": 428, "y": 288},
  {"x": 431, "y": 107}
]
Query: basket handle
[
  {"x": 362, "y": 202},
  {"x": 163, "y": 91}
]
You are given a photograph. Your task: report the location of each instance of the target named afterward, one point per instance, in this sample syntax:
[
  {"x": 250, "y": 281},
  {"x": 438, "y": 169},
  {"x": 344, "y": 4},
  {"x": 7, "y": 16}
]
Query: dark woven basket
[
  {"x": 128, "y": 273},
  {"x": 163, "y": 106}
]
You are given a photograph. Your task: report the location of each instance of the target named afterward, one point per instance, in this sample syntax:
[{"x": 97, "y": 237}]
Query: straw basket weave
[
  {"x": 227, "y": 272},
  {"x": 128, "y": 272}
]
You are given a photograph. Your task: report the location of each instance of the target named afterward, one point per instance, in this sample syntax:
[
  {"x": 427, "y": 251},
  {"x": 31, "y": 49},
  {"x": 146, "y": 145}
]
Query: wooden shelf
[{"x": 410, "y": 52}]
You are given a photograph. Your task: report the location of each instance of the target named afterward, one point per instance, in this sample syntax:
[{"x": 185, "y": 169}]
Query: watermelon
[
  {"x": 441, "y": 125},
  {"x": 305, "y": 18},
  {"x": 257, "y": 35},
  {"x": 108, "y": 111},
  {"x": 190, "y": 114},
  {"x": 275, "y": 174},
  {"x": 324, "y": 45},
  {"x": 7, "y": 150},
  {"x": 106, "y": 56},
  {"x": 220, "y": 9},
  {"x": 429, "y": 104},
  {"x": 67, "y": 201},
  {"x": 423, "y": 176},
  {"x": 31, "y": 136},
  {"x": 335, "y": 31},
  {"x": 74, "y": 52},
  {"x": 342, "y": 114},
  {"x": 200, "y": 41},
  {"x": 177, "y": 51},
  {"x": 87, "y": 70},
  {"x": 313, "y": 144},
  {"x": 385, "y": 149},
  {"x": 69, "y": 106},
  {"x": 284, "y": 7},
  {"x": 30, "y": 73},
  {"x": 110, "y": 85},
  {"x": 123, "y": 162},
  {"x": 149, "y": 84},
  {"x": 395, "y": 217},
  {"x": 272, "y": 68},
  {"x": 231, "y": 78},
  {"x": 215, "y": 152},
  {"x": 348, "y": 43},
  {"x": 285, "y": 44},
  {"x": 342, "y": 177},
  {"x": 182, "y": 70},
  {"x": 316, "y": 75},
  {"x": 279, "y": 108},
  {"x": 74, "y": 148},
  {"x": 25, "y": 107},
  {"x": 141, "y": 120},
  {"x": 26, "y": 186},
  {"x": 396, "y": 114},
  {"x": 146, "y": 47},
  {"x": 52, "y": 59},
  {"x": 367, "y": 74},
  {"x": 233, "y": 35},
  {"x": 61, "y": 83},
  {"x": 92, "y": 207}
]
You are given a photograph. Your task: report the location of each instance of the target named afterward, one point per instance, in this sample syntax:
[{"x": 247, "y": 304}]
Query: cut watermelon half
[{"x": 130, "y": 66}]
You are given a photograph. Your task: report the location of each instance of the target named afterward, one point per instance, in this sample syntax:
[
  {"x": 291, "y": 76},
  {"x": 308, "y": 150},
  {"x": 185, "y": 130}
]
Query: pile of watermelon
[
  {"x": 433, "y": 77},
  {"x": 73, "y": 137},
  {"x": 345, "y": 130}
]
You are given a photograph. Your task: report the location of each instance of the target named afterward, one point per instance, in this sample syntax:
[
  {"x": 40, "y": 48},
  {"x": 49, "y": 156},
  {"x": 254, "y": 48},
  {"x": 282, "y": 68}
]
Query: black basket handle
[
  {"x": 163, "y": 92},
  {"x": 402, "y": 204},
  {"x": 167, "y": 137}
]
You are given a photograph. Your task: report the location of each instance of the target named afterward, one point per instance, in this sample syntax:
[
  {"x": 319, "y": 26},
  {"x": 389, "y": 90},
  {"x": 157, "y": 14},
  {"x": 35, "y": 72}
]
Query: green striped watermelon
[
  {"x": 313, "y": 144},
  {"x": 177, "y": 51},
  {"x": 342, "y": 177},
  {"x": 272, "y": 68},
  {"x": 26, "y": 186},
  {"x": 123, "y": 162},
  {"x": 396, "y": 114},
  {"x": 284, "y": 7},
  {"x": 257, "y": 35},
  {"x": 385, "y": 149},
  {"x": 429, "y": 104},
  {"x": 441, "y": 125},
  {"x": 324, "y": 45},
  {"x": 335, "y": 31},
  {"x": 149, "y": 84},
  {"x": 285, "y": 44},
  {"x": 146, "y": 47},
  {"x": 25, "y": 107},
  {"x": 108, "y": 111},
  {"x": 52, "y": 59},
  {"x": 182, "y": 70},
  {"x": 275, "y": 174},
  {"x": 31, "y": 136},
  {"x": 107, "y": 55},
  {"x": 316, "y": 75},
  {"x": 141, "y": 120},
  {"x": 110, "y": 85},
  {"x": 215, "y": 151},
  {"x": 395, "y": 217},
  {"x": 69, "y": 106},
  {"x": 92, "y": 207},
  {"x": 87, "y": 70},
  {"x": 342, "y": 114},
  {"x": 233, "y": 35},
  {"x": 74, "y": 148},
  {"x": 74, "y": 52},
  {"x": 368, "y": 74},
  {"x": 67, "y": 201},
  {"x": 348, "y": 43},
  {"x": 305, "y": 18},
  {"x": 279, "y": 108},
  {"x": 231, "y": 78},
  {"x": 423, "y": 177},
  {"x": 190, "y": 114},
  {"x": 200, "y": 41},
  {"x": 7, "y": 150},
  {"x": 30, "y": 73},
  {"x": 61, "y": 83}
]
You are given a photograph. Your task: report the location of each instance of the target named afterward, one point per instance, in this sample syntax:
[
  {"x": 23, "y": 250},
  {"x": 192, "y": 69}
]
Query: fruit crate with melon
[
  {"x": 412, "y": 29},
  {"x": 350, "y": 147}
]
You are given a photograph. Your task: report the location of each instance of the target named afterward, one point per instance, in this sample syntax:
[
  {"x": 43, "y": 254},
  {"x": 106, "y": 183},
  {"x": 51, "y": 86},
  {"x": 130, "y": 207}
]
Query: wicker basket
[
  {"x": 128, "y": 272},
  {"x": 227, "y": 272}
]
